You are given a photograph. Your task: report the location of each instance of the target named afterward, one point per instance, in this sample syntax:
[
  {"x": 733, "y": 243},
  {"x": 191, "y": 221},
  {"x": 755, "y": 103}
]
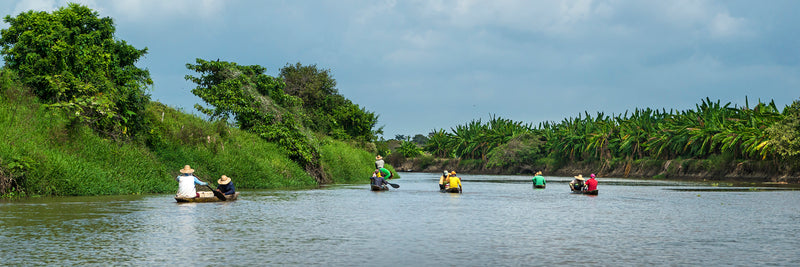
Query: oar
[
  {"x": 217, "y": 194},
  {"x": 393, "y": 185}
]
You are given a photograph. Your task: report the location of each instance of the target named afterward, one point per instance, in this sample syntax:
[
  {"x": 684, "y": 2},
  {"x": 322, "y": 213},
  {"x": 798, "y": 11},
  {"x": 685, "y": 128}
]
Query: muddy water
[{"x": 498, "y": 220}]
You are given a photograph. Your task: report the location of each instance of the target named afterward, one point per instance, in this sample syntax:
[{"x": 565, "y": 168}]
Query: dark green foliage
[
  {"x": 419, "y": 139},
  {"x": 257, "y": 104},
  {"x": 718, "y": 134},
  {"x": 328, "y": 111},
  {"x": 785, "y": 136},
  {"x": 73, "y": 63},
  {"x": 409, "y": 149},
  {"x": 522, "y": 149}
]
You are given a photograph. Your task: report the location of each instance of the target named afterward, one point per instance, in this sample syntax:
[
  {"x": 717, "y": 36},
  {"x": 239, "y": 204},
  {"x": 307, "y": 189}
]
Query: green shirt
[{"x": 539, "y": 180}]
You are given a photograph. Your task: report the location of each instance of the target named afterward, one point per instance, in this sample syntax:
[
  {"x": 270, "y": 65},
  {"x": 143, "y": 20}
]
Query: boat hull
[
  {"x": 593, "y": 192},
  {"x": 378, "y": 188},
  {"x": 205, "y": 198},
  {"x": 452, "y": 190}
]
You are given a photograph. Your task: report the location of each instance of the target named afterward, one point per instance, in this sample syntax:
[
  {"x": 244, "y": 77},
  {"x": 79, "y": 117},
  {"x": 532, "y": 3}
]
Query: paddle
[
  {"x": 393, "y": 185},
  {"x": 217, "y": 194}
]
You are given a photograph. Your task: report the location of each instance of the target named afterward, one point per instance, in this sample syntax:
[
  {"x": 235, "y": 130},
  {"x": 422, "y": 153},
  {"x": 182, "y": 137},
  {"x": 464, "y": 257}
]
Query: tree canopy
[{"x": 71, "y": 60}]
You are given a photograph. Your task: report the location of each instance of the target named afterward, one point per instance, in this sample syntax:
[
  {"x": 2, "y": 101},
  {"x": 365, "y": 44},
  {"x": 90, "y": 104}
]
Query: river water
[{"x": 497, "y": 221}]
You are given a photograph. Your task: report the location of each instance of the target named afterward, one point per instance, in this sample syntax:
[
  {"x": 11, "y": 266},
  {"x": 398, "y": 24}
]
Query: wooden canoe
[
  {"x": 204, "y": 197},
  {"x": 452, "y": 190},
  {"x": 593, "y": 192},
  {"x": 378, "y": 188}
]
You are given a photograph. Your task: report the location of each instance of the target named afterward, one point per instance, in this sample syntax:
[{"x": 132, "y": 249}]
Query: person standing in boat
[
  {"x": 225, "y": 185},
  {"x": 379, "y": 162},
  {"x": 538, "y": 180},
  {"x": 577, "y": 183},
  {"x": 591, "y": 184},
  {"x": 455, "y": 183},
  {"x": 443, "y": 180},
  {"x": 186, "y": 182}
]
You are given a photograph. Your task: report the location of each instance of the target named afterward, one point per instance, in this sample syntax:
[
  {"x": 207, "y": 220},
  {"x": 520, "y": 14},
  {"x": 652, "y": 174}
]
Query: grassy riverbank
[{"x": 44, "y": 153}]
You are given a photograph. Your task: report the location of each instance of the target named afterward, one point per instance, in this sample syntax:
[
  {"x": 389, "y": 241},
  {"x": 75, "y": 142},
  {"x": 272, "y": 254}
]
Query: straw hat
[
  {"x": 187, "y": 169},
  {"x": 579, "y": 177},
  {"x": 379, "y": 157},
  {"x": 224, "y": 180}
]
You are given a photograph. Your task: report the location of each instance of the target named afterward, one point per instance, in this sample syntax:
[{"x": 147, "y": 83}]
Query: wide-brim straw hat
[
  {"x": 579, "y": 177},
  {"x": 379, "y": 157},
  {"x": 187, "y": 169},
  {"x": 224, "y": 180}
]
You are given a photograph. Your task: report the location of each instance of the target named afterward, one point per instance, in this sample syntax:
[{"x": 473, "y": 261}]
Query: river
[{"x": 497, "y": 221}]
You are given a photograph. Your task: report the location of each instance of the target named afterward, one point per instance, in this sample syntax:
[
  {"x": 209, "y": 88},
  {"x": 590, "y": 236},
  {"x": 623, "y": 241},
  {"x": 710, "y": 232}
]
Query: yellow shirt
[{"x": 455, "y": 182}]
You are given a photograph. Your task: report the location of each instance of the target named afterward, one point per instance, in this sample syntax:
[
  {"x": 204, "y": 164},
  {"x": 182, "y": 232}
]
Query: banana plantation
[{"x": 758, "y": 133}]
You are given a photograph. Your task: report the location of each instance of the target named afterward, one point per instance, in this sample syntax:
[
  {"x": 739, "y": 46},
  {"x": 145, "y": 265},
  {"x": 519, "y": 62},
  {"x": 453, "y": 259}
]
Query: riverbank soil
[{"x": 688, "y": 169}]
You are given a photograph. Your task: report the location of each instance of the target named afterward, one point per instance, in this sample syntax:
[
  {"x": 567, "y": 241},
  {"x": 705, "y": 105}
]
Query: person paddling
[
  {"x": 225, "y": 186},
  {"x": 538, "y": 180},
  {"x": 186, "y": 182},
  {"x": 377, "y": 182},
  {"x": 577, "y": 183},
  {"x": 591, "y": 184},
  {"x": 455, "y": 183},
  {"x": 443, "y": 180},
  {"x": 385, "y": 173},
  {"x": 379, "y": 162}
]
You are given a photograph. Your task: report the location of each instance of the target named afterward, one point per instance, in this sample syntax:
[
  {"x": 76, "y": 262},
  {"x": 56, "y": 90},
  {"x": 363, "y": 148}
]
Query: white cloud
[
  {"x": 159, "y": 10},
  {"x": 723, "y": 25}
]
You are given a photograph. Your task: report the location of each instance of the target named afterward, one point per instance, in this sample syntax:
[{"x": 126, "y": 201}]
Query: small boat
[
  {"x": 451, "y": 190},
  {"x": 207, "y": 196},
  {"x": 539, "y": 186},
  {"x": 378, "y": 188},
  {"x": 585, "y": 192}
]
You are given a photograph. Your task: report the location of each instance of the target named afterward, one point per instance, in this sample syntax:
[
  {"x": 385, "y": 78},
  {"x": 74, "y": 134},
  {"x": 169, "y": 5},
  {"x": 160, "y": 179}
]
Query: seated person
[
  {"x": 225, "y": 185},
  {"x": 577, "y": 183},
  {"x": 186, "y": 182}
]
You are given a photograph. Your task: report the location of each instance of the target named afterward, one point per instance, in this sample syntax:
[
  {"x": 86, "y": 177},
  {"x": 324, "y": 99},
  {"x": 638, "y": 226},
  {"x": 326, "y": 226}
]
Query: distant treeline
[{"x": 712, "y": 130}]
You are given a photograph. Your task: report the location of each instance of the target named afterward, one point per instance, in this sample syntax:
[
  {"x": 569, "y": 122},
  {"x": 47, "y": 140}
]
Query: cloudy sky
[{"x": 434, "y": 64}]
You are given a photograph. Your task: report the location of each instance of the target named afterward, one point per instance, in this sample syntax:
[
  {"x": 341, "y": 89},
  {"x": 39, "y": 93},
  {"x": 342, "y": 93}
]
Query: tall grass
[
  {"x": 45, "y": 154},
  {"x": 346, "y": 164}
]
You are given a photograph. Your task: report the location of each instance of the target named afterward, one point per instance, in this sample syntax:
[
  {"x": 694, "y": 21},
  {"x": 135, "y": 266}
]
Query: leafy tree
[
  {"x": 409, "y": 149},
  {"x": 328, "y": 111},
  {"x": 400, "y": 137},
  {"x": 785, "y": 135},
  {"x": 524, "y": 148},
  {"x": 71, "y": 61},
  {"x": 419, "y": 139},
  {"x": 257, "y": 104}
]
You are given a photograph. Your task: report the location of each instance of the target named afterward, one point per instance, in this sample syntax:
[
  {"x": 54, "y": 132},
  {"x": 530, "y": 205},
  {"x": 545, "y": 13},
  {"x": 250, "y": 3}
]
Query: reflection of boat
[
  {"x": 585, "y": 192},
  {"x": 539, "y": 186},
  {"x": 207, "y": 196},
  {"x": 378, "y": 188}
]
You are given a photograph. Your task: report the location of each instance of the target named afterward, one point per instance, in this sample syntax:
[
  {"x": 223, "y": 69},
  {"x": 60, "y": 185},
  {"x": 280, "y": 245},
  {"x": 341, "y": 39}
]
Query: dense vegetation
[
  {"x": 724, "y": 134},
  {"x": 77, "y": 119},
  {"x": 72, "y": 63}
]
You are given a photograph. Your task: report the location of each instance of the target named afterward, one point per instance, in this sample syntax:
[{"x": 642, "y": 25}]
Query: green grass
[{"x": 44, "y": 154}]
